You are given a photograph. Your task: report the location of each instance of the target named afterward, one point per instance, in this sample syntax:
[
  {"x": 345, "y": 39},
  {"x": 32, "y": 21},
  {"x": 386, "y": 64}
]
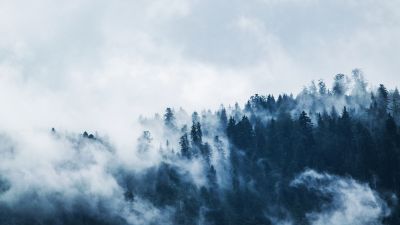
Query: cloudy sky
[{"x": 97, "y": 64}]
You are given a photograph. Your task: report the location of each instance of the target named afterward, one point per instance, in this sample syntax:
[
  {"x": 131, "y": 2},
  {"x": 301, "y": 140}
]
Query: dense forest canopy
[{"x": 325, "y": 156}]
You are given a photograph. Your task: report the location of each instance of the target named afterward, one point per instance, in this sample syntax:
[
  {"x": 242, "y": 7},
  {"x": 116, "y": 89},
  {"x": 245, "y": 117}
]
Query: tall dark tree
[
  {"x": 185, "y": 146},
  {"x": 230, "y": 129},
  {"x": 196, "y": 134},
  {"x": 304, "y": 149},
  {"x": 382, "y": 100},
  {"x": 271, "y": 104},
  {"x": 223, "y": 119},
  {"x": 389, "y": 164},
  {"x": 345, "y": 141},
  {"x": 244, "y": 134},
  {"x": 260, "y": 133},
  {"x": 395, "y": 105}
]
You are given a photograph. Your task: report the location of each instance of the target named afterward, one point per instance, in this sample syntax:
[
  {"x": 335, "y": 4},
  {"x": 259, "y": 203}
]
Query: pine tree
[
  {"x": 344, "y": 141},
  {"x": 230, "y": 129},
  {"x": 382, "y": 100},
  {"x": 322, "y": 88},
  {"x": 223, "y": 119},
  {"x": 304, "y": 139},
  {"x": 271, "y": 104},
  {"x": 169, "y": 119},
  {"x": 339, "y": 85},
  {"x": 305, "y": 123},
  {"x": 389, "y": 163},
  {"x": 185, "y": 148},
  {"x": 244, "y": 134},
  {"x": 395, "y": 105},
  {"x": 196, "y": 134},
  {"x": 195, "y": 117}
]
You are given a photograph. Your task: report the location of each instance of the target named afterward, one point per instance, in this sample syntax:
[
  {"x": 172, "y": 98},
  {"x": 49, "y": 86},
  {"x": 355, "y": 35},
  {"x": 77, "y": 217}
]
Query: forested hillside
[
  {"x": 251, "y": 155},
  {"x": 329, "y": 155}
]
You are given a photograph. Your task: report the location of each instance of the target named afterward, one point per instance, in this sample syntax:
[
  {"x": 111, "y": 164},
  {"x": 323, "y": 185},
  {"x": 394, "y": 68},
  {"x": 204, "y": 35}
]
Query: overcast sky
[{"x": 99, "y": 64}]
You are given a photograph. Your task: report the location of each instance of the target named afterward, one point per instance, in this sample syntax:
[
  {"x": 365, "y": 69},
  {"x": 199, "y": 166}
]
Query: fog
[{"x": 105, "y": 67}]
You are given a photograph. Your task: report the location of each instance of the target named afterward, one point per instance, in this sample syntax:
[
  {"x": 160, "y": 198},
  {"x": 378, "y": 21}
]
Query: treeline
[
  {"x": 250, "y": 155},
  {"x": 235, "y": 166}
]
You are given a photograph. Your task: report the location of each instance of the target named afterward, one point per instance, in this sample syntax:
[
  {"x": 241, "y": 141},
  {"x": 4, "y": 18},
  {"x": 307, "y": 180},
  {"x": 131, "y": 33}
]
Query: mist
[
  {"x": 199, "y": 112},
  {"x": 198, "y": 168}
]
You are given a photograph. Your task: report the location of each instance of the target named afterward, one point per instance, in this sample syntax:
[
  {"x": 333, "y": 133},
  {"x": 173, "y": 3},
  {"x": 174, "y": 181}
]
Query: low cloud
[{"x": 351, "y": 202}]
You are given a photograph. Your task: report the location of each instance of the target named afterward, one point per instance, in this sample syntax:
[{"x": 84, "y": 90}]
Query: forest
[
  {"x": 346, "y": 130},
  {"x": 328, "y": 155}
]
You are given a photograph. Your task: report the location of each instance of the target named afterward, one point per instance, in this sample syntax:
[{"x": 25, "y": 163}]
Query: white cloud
[
  {"x": 352, "y": 203},
  {"x": 98, "y": 65}
]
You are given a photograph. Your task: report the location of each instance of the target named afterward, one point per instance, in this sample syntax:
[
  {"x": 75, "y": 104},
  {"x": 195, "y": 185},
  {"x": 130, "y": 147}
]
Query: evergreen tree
[
  {"x": 230, "y": 129},
  {"x": 169, "y": 119},
  {"x": 260, "y": 138},
  {"x": 196, "y": 134},
  {"x": 185, "y": 148},
  {"x": 304, "y": 143},
  {"x": 339, "y": 85},
  {"x": 322, "y": 90},
  {"x": 344, "y": 142},
  {"x": 305, "y": 123},
  {"x": 395, "y": 105},
  {"x": 390, "y": 156},
  {"x": 382, "y": 100},
  {"x": 271, "y": 104},
  {"x": 223, "y": 118},
  {"x": 195, "y": 117},
  {"x": 244, "y": 134}
]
